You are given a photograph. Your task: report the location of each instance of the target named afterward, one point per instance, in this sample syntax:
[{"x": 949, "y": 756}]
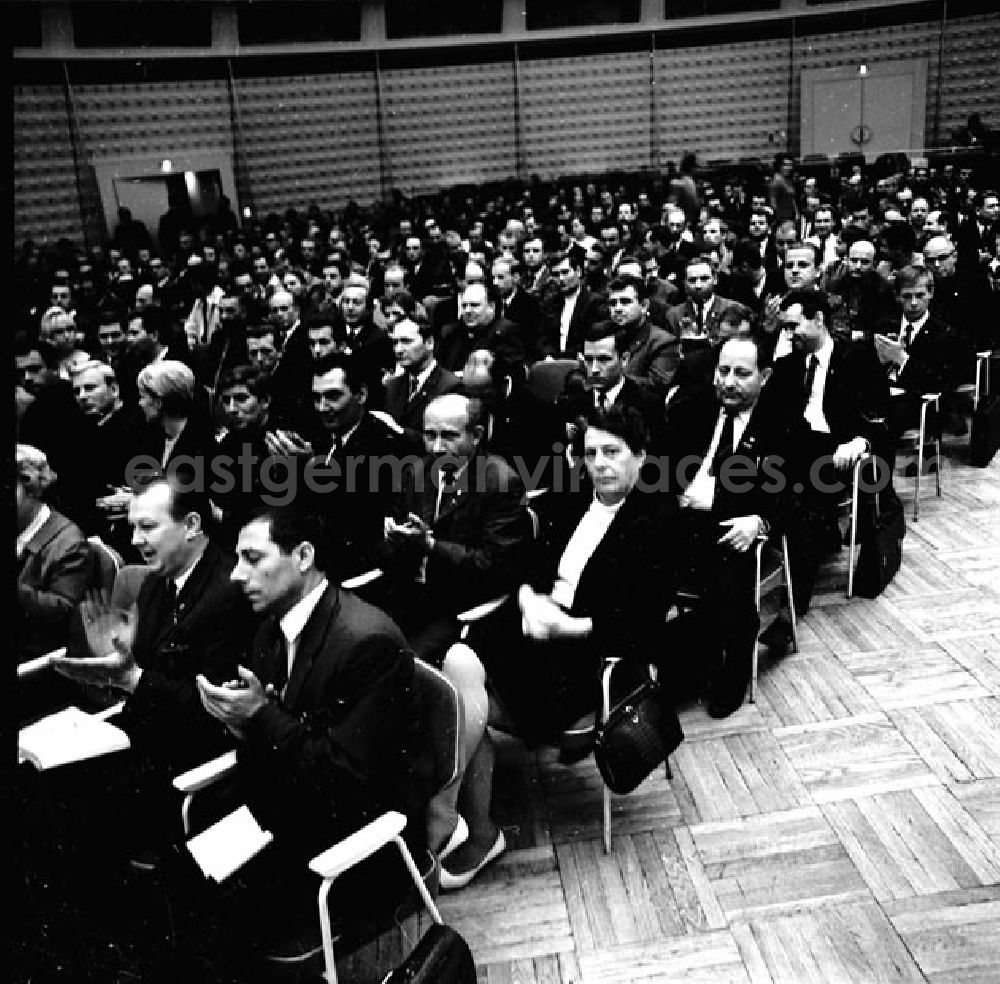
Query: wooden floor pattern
[{"x": 845, "y": 828}]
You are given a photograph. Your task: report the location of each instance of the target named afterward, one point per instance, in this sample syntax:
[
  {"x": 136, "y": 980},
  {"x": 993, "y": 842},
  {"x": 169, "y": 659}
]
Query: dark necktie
[
  {"x": 414, "y": 386},
  {"x": 725, "y": 446},
  {"x": 810, "y": 379},
  {"x": 170, "y": 599},
  {"x": 279, "y": 662},
  {"x": 907, "y": 336},
  {"x": 602, "y": 400},
  {"x": 701, "y": 318}
]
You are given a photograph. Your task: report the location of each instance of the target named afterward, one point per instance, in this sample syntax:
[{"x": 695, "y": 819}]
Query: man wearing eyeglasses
[{"x": 961, "y": 299}]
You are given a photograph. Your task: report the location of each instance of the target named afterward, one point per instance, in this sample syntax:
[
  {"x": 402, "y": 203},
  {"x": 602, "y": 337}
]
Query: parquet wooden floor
[{"x": 845, "y": 828}]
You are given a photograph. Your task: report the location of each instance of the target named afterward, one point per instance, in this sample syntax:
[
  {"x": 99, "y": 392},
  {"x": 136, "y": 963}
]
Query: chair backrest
[
  {"x": 108, "y": 562},
  {"x": 441, "y": 710},
  {"x": 546, "y": 379},
  {"x": 127, "y": 584}
]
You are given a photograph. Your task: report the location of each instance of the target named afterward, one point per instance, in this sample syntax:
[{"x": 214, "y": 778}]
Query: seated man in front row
[
  {"x": 725, "y": 506},
  {"x": 323, "y": 716}
]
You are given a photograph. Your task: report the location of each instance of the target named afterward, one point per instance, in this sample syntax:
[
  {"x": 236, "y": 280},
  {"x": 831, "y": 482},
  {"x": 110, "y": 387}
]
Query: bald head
[
  {"x": 284, "y": 309},
  {"x": 476, "y": 307},
  {"x": 860, "y": 257}
]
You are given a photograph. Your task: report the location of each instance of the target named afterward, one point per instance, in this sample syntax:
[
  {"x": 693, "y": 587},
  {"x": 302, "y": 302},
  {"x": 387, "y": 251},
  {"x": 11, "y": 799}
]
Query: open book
[
  {"x": 69, "y": 735},
  {"x": 228, "y": 844}
]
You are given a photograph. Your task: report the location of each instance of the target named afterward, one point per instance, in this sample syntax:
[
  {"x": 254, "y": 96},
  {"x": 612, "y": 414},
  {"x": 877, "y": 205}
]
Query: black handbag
[
  {"x": 881, "y": 548},
  {"x": 441, "y": 957},
  {"x": 985, "y": 438},
  {"x": 639, "y": 734}
]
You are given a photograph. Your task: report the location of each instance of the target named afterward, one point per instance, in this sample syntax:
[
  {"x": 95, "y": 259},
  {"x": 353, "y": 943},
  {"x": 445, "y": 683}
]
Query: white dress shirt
[
  {"x": 814, "y": 400},
  {"x": 294, "y": 620},
  {"x": 700, "y": 494},
  {"x": 569, "y": 306}
]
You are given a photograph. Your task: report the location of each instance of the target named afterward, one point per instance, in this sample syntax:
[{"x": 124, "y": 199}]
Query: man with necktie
[
  {"x": 718, "y": 448},
  {"x": 832, "y": 399},
  {"x": 325, "y": 716},
  {"x": 408, "y": 392},
  {"x": 920, "y": 352}
]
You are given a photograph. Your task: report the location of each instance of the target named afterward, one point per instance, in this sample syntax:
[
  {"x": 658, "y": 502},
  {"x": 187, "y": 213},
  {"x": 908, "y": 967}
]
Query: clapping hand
[
  {"x": 287, "y": 444},
  {"x": 109, "y": 633}
]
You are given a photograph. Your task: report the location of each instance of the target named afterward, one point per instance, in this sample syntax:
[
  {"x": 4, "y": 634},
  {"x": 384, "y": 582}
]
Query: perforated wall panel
[
  {"x": 722, "y": 101},
  {"x": 153, "y": 118},
  {"x": 46, "y": 206},
  {"x": 585, "y": 115},
  {"x": 310, "y": 138},
  {"x": 971, "y": 75},
  {"x": 449, "y": 125}
]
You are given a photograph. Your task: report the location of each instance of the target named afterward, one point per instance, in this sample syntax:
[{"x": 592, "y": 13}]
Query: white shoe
[
  {"x": 449, "y": 881},
  {"x": 458, "y": 837}
]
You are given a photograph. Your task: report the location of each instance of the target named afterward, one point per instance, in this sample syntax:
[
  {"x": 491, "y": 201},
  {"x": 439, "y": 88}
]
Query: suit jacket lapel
[{"x": 311, "y": 641}]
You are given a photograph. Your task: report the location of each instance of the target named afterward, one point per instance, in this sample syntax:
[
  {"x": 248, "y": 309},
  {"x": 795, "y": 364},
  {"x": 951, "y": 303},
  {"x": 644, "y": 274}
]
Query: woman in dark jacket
[{"x": 604, "y": 580}]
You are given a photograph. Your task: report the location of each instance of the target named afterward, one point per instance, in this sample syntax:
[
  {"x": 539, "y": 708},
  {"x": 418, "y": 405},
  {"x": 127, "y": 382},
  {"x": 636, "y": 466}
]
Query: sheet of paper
[{"x": 228, "y": 844}]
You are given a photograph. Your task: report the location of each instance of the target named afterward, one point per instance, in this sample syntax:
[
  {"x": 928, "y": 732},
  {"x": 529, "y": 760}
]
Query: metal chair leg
[
  {"x": 756, "y": 639},
  {"x": 854, "y": 527},
  {"x": 791, "y": 592},
  {"x": 605, "y": 713}
]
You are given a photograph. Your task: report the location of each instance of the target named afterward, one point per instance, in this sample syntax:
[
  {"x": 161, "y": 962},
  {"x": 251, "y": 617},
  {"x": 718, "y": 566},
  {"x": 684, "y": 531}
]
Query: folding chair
[
  {"x": 687, "y": 600},
  {"x": 915, "y": 441},
  {"x": 763, "y": 581},
  {"x": 498, "y": 718}
]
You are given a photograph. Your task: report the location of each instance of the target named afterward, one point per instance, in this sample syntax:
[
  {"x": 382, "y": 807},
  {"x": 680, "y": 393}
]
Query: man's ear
[
  {"x": 477, "y": 432},
  {"x": 305, "y": 555}
]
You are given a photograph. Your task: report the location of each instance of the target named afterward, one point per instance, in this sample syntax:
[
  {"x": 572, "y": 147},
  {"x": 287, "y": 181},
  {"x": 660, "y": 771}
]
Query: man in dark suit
[
  {"x": 524, "y": 430},
  {"x": 701, "y": 313},
  {"x": 325, "y": 714},
  {"x": 369, "y": 344},
  {"x": 408, "y": 393},
  {"x": 651, "y": 354},
  {"x": 457, "y": 530},
  {"x": 291, "y": 372},
  {"x": 480, "y": 327},
  {"x": 188, "y": 620},
  {"x": 725, "y": 506},
  {"x": 832, "y": 398},
  {"x": 338, "y": 461},
  {"x": 576, "y": 310},
  {"x": 920, "y": 352},
  {"x": 517, "y": 305},
  {"x": 977, "y": 239},
  {"x": 606, "y": 359}
]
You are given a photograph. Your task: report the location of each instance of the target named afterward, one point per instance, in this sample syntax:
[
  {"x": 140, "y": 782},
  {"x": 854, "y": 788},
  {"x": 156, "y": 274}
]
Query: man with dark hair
[
  {"x": 651, "y": 354},
  {"x": 421, "y": 380},
  {"x": 699, "y": 315},
  {"x": 366, "y": 341},
  {"x": 517, "y": 305},
  {"x": 324, "y": 712},
  {"x": 577, "y": 309},
  {"x": 480, "y": 326},
  {"x": 607, "y": 359},
  {"x": 338, "y": 456},
  {"x": 831, "y": 397}
]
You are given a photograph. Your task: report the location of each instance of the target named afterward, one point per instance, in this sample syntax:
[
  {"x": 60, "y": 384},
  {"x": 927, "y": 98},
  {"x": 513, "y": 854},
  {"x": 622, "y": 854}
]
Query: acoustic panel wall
[
  {"x": 585, "y": 114},
  {"x": 152, "y": 118},
  {"x": 46, "y": 204},
  {"x": 722, "y": 101},
  {"x": 309, "y": 138},
  {"x": 448, "y": 125},
  {"x": 970, "y": 77}
]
